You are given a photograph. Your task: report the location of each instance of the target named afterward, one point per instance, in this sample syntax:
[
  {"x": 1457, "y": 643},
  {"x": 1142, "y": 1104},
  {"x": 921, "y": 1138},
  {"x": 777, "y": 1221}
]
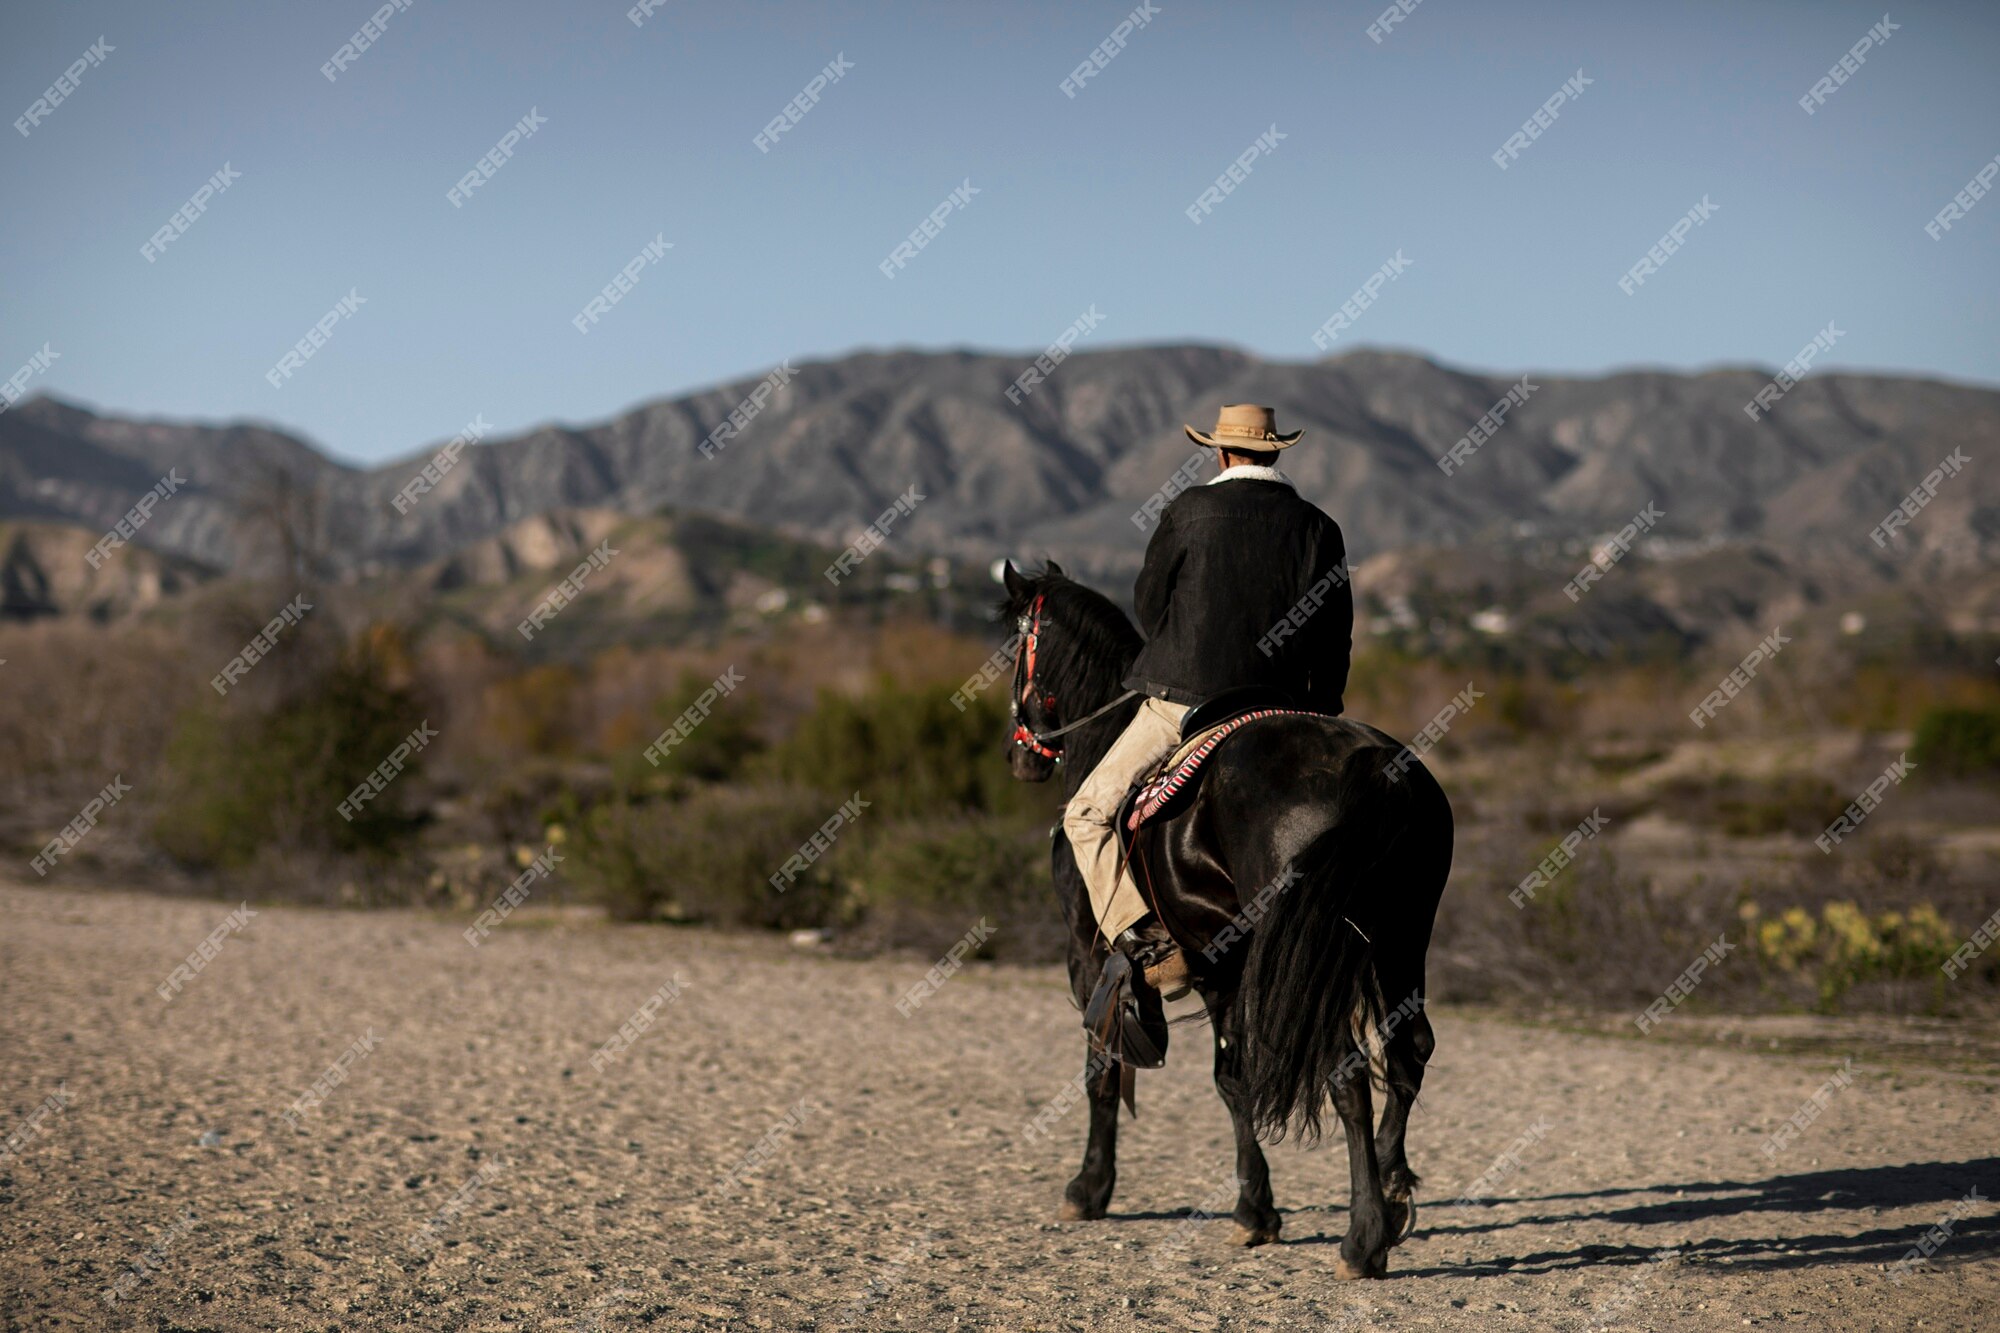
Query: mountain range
[{"x": 1783, "y": 502}]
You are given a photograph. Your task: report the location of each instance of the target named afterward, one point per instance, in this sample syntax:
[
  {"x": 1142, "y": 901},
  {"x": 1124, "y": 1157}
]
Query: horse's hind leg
[
  {"x": 1405, "y": 1054},
  {"x": 1088, "y": 1195},
  {"x": 1257, "y": 1219},
  {"x": 1364, "y": 1252}
]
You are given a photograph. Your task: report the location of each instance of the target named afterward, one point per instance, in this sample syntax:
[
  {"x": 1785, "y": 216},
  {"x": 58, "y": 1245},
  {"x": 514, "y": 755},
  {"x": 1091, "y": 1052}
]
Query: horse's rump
[{"x": 1337, "y": 866}]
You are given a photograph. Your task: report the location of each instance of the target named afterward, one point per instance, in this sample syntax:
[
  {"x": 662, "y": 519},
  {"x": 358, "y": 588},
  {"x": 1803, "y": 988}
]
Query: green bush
[
  {"x": 239, "y": 781},
  {"x": 708, "y": 856},
  {"x": 923, "y": 885},
  {"x": 912, "y": 752},
  {"x": 1961, "y": 742},
  {"x": 946, "y": 834}
]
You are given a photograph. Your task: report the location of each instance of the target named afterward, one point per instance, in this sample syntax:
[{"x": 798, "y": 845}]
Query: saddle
[{"x": 1165, "y": 791}]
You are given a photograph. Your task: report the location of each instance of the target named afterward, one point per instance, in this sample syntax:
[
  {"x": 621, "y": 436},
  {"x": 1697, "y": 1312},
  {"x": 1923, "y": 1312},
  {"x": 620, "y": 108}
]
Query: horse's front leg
[
  {"x": 1257, "y": 1219},
  {"x": 1087, "y": 1197}
]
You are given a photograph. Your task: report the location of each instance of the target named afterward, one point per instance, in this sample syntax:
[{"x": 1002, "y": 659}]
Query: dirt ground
[{"x": 782, "y": 1148}]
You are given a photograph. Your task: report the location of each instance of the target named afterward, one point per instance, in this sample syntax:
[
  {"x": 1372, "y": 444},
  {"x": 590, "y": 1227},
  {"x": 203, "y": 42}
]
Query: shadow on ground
[{"x": 1931, "y": 1185}]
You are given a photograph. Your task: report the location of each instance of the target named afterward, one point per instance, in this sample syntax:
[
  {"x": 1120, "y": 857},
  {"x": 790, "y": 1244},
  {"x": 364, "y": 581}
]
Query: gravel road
[{"x": 780, "y": 1148}]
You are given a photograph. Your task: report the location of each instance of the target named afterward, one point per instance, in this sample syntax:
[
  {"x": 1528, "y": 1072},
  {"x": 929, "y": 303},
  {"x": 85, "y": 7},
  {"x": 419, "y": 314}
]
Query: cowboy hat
[{"x": 1247, "y": 426}]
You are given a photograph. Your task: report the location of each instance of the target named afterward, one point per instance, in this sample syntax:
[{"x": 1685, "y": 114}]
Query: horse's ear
[
  {"x": 1053, "y": 568},
  {"x": 1017, "y": 586}
]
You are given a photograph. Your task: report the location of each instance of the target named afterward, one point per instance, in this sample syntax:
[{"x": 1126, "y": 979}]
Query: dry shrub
[
  {"x": 1892, "y": 696},
  {"x": 533, "y": 713},
  {"x": 83, "y": 702},
  {"x": 1632, "y": 702},
  {"x": 1801, "y": 804},
  {"x": 1594, "y": 935}
]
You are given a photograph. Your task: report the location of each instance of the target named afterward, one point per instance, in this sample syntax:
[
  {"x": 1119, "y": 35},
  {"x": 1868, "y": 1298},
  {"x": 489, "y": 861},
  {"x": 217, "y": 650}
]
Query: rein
[{"x": 1030, "y": 627}]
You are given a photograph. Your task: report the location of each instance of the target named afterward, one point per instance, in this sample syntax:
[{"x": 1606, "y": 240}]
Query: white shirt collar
[{"x": 1251, "y": 472}]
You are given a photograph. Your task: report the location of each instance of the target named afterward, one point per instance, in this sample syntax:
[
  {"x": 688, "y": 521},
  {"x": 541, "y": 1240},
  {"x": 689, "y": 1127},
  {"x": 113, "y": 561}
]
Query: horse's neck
[{"x": 1086, "y": 746}]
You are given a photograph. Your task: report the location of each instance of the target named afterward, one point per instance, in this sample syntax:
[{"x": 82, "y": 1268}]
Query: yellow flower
[{"x": 1854, "y": 935}]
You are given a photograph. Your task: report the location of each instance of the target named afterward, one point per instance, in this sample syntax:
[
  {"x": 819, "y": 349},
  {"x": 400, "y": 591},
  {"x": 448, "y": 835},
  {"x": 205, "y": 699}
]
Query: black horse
[{"x": 1302, "y": 880}]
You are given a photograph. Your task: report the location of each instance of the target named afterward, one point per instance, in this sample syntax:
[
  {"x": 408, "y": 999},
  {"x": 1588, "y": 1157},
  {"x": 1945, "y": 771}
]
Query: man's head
[{"x": 1229, "y": 458}]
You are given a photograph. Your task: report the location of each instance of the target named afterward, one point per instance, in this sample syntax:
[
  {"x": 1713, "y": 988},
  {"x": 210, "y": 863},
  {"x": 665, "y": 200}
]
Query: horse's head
[{"x": 1071, "y": 648}]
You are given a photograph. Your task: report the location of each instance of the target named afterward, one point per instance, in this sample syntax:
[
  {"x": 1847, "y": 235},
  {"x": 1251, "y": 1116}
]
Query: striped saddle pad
[{"x": 1179, "y": 774}]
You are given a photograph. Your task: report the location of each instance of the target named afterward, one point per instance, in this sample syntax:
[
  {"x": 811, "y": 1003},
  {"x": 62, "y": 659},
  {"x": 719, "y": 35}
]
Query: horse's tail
[{"x": 1309, "y": 996}]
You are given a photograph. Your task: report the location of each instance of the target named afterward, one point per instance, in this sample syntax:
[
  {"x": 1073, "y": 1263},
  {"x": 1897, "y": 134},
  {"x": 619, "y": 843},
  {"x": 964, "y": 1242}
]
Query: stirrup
[{"x": 1126, "y": 1016}]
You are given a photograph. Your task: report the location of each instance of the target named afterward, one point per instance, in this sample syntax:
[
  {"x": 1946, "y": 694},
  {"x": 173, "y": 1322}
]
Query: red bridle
[{"x": 1030, "y": 627}]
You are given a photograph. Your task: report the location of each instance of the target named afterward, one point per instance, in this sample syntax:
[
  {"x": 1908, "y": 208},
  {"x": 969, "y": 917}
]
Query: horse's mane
[{"x": 1097, "y": 643}]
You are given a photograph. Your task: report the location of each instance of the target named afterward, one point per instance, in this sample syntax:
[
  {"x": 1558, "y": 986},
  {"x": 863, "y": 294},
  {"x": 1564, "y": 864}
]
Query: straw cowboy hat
[{"x": 1248, "y": 425}]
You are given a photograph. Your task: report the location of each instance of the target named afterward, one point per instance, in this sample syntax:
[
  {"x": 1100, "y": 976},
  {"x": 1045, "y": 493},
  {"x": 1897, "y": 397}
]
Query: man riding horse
[
  {"x": 1229, "y": 562},
  {"x": 1300, "y": 862}
]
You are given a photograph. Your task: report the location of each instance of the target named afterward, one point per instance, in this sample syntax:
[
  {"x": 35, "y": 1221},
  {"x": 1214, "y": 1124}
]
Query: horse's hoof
[
  {"x": 1072, "y": 1211},
  {"x": 1249, "y": 1236},
  {"x": 1346, "y": 1272},
  {"x": 1401, "y": 1214}
]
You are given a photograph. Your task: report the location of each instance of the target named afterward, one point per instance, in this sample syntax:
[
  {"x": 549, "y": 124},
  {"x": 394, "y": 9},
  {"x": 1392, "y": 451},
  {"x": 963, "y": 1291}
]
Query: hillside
[{"x": 1781, "y": 508}]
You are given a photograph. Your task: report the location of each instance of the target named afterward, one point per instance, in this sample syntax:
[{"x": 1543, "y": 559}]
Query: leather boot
[{"x": 1154, "y": 952}]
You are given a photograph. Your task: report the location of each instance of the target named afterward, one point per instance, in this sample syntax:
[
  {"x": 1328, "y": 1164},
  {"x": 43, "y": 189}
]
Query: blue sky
[{"x": 1081, "y": 200}]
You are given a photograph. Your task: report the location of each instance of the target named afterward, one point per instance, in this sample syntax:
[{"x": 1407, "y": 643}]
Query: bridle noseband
[{"x": 1029, "y": 627}]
